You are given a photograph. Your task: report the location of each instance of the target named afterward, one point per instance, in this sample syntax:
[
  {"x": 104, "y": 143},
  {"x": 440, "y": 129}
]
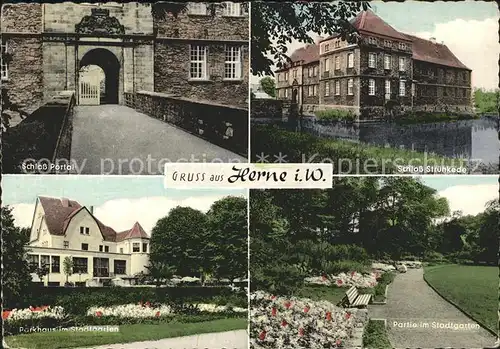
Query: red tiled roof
[
  {"x": 134, "y": 233},
  {"x": 423, "y": 50},
  {"x": 428, "y": 51},
  {"x": 58, "y": 214},
  {"x": 369, "y": 22},
  {"x": 306, "y": 54}
]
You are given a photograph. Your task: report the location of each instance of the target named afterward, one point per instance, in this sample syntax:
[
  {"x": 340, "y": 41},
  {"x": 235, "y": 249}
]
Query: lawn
[
  {"x": 127, "y": 334},
  {"x": 322, "y": 293},
  {"x": 347, "y": 157},
  {"x": 473, "y": 288}
]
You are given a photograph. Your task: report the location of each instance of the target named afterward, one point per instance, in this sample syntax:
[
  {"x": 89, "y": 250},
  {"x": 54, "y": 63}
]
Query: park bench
[{"x": 354, "y": 299}]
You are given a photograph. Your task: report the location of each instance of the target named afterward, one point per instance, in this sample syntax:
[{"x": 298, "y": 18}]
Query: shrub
[
  {"x": 434, "y": 257},
  {"x": 375, "y": 335},
  {"x": 335, "y": 115},
  {"x": 336, "y": 267},
  {"x": 281, "y": 279},
  {"x": 77, "y": 300}
]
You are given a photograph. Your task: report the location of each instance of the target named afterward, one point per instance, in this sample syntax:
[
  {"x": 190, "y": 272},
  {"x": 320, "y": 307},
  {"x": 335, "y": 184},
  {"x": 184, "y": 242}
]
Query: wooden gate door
[{"x": 89, "y": 92}]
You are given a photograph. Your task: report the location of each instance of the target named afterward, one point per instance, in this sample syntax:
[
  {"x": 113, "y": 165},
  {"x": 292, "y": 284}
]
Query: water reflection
[{"x": 475, "y": 140}]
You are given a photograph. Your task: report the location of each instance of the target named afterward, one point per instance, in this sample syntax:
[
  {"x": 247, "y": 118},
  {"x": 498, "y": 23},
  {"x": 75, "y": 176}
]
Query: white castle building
[{"x": 63, "y": 228}]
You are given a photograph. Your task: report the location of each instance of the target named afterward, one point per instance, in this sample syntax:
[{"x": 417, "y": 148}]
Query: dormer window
[
  {"x": 327, "y": 47},
  {"x": 337, "y": 44},
  {"x": 402, "y": 46},
  {"x": 387, "y": 43},
  {"x": 372, "y": 40}
]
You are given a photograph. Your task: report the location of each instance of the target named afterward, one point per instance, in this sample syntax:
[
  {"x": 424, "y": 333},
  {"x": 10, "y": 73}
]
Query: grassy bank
[
  {"x": 126, "y": 334},
  {"x": 347, "y": 157},
  {"x": 375, "y": 336},
  {"x": 472, "y": 288}
]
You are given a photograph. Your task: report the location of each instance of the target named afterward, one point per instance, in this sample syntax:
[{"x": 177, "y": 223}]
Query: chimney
[
  {"x": 433, "y": 40},
  {"x": 64, "y": 202},
  {"x": 91, "y": 209}
]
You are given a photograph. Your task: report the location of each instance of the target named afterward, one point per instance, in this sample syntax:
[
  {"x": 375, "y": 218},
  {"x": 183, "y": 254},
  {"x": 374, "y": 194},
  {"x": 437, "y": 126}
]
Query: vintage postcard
[
  {"x": 377, "y": 87},
  {"x": 121, "y": 262},
  {"x": 397, "y": 262},
  {"x": 123, "y": 87}
]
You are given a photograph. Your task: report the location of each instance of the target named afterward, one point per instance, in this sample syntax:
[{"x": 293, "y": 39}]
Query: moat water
[{"x": 475, "y": 140}]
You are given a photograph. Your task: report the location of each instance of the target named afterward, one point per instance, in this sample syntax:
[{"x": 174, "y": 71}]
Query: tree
[
  {"x": 160, "y": 271},
  {"x": 179, "y": 240},
  {"x": 275, "y": 24},
  {"x": 268, "y": 85},
  {"x": 226, "y": 245},
  {"x": 486, "y": 101},
  {"x": 68, "y": 267},
  {"x": 16, "y": 278}
]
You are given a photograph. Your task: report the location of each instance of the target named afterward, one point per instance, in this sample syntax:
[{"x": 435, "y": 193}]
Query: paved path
[
  {"x": 411, "y": 300},
  {"x": 223, "y": 340},
  {"x": 115, "y": 139}
]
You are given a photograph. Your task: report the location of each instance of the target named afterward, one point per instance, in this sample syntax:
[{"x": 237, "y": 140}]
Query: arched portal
[{"x": 108, "y": 84}]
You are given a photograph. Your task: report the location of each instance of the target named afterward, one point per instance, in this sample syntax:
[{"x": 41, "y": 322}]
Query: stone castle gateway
[{"x": 60, "y": 47}]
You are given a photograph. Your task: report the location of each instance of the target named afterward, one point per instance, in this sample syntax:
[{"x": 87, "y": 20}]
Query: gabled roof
[
  {"x": 59, "y": 212},
  {"x": 432, "y": 52},
  {"x": 135, "y": 233}
]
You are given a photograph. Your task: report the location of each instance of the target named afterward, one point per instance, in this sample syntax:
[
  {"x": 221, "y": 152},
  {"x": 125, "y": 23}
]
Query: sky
[
  {"x": 121, "y": 201},
  {"x": 468, "y": 28},
  {"x": 118, "y": 201},
  {"x": 468, "y": 194}
]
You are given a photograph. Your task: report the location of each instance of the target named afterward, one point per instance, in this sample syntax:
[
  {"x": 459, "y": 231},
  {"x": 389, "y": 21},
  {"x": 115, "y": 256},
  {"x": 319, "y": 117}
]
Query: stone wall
[
  {"x": 266, "y": 108},
  {"x": 25, "y": 74},
  {"x": 62, "y": 18},
  {"x": 219, "y": 124},
  {"x": 207, "y": 27},
  {"x": 21, "y": 18},
  {"x": 171, "y": 74}
]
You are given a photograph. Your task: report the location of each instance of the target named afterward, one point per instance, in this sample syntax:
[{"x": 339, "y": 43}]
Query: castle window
[
  {"x": 3, "y": 64},
  {"x": 144, "y": 247},
  {"x": 106, "y": 248},
  {"x": 372, "y": 41},
  {"x": 198, "y": 8},
  {"x": 402, "y": 46},
  {"x": 315, "y": 90},
  {"x": 198, "y": 67},
  {"x": 100, "y": 248},
  {"x": 387, "y": 62},
  {"x": 66, "y": 244},
  {"x": 327, "y": 64},
  {"x": 315, "y": 71},
  {"x": 327, "y": 47},
  {"x": 371, "y": 87},
  {"x": 350, "y": 60},
  {"x": 350, "y": 87},
  {"x": 136, "y": 247},
  {"x": 371, "y": 60},
  {"x": 232, "y": 64},
  {"x": 337, "y": 88},
  {"x": 327, "y": 89},
  {"x": 337, "y": 62},
  {"x": 387, "y": 43},
  {"x": 85, "y": 247},
  {"x": 232, "y": 9},
  {"x": 87, "y": 231},
  {"x": 387, "y": 89},
  {"x": 402, "y": 88},
  {"x": 402, "y": 64}
]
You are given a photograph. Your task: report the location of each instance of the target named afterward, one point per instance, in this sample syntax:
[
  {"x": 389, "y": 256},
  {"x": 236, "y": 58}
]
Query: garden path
[
  {"x": 411, "y": 302},
  {"x": 230, "y": 340}
]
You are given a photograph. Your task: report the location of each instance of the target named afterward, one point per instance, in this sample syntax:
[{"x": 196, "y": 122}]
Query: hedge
[{"x": 76, "y": 300}]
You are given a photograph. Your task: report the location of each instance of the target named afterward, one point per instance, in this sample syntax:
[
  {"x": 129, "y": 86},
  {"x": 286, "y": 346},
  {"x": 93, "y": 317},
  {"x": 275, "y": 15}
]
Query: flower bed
[
  {"x": 346, "y": 280},
  {"x": 278, "y": 322},
  {"x": 33, "y": 313},
  {"x": 147, "y": 310}
]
